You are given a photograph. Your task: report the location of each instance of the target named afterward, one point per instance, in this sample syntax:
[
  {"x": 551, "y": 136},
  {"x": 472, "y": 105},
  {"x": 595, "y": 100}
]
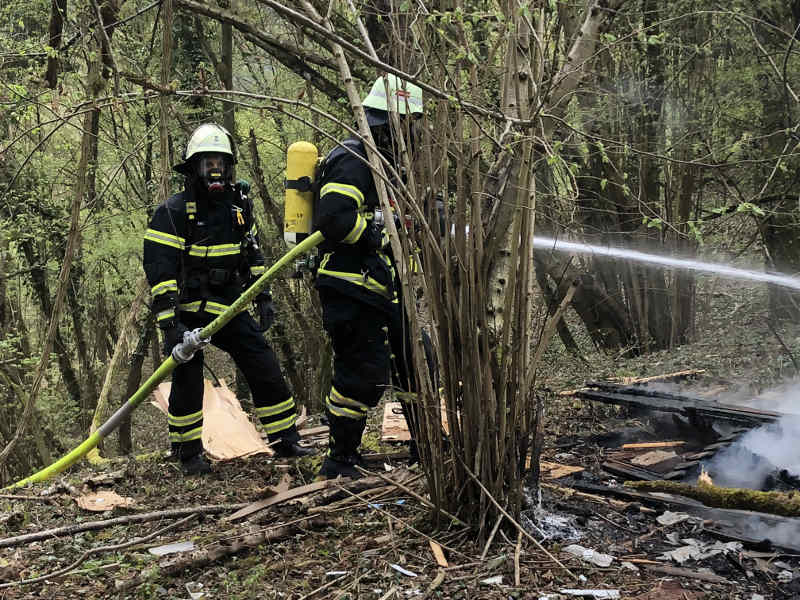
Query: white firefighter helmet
[{"x": 209, "y": 137}]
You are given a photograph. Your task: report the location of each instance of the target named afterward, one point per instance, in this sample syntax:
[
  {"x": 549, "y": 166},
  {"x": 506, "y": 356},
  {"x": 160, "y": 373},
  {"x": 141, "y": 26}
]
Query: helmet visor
[{"x": 213, "y": 166}]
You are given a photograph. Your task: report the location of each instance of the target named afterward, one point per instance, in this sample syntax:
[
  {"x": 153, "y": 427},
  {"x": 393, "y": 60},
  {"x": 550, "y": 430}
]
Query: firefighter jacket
[
  {"x": 344, "y": 212},
  {"x": 200, "y": 252}
]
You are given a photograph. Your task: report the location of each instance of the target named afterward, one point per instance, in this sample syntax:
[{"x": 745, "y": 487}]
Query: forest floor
[{"x": 377, "y": 542}]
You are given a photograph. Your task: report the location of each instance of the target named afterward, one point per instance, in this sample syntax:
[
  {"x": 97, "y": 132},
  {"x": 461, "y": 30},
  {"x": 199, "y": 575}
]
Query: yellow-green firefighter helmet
[{"x": 404, "y": 97}]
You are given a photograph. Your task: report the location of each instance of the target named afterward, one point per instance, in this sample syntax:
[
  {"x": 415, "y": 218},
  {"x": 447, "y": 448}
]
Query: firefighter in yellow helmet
[
  {"x": 357, "y": 281},
  {"x": 200, "y": 252}
]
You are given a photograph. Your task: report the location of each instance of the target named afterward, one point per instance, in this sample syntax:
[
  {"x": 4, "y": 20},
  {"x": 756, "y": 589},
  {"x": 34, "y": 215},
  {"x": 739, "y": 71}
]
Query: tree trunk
[
  {"x": 781, "y": 234},
  {"x": 58, "y": 14},
  {"x": 226, "y": 53},
  {"x": 133, "y": 381},
  {"x": 40, "y": 286}
]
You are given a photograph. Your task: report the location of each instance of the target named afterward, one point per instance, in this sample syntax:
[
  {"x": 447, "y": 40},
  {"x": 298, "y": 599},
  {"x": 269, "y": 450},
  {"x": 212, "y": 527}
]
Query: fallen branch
[
  {"x": 101, "y": 549},
  {"x": 216, "y": 551},
  {"x": 776, "y": 503},
  {"x": 48, "y": 499},
  {"x": 284, "y": 496},
  {"x": 126, "y": 520}
]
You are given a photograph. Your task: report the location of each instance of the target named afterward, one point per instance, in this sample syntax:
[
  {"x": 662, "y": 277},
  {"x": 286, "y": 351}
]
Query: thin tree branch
[
  {"x": 100, "y": 550},
  {"x": 47, "y": 534}
]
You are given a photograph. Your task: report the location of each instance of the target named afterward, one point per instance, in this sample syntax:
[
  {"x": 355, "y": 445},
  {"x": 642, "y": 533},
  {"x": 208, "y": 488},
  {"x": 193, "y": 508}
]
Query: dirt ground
[{"x": 378, "y": 544}]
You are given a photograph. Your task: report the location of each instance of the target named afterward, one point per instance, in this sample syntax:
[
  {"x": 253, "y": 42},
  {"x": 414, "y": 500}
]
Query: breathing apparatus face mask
[
  {"x": 386, "y": 137},
  {"x": 214, "y": 171}
]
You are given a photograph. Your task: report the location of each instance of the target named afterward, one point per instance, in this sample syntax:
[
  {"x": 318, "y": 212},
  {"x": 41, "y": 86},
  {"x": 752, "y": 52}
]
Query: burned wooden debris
[
  {"x": 665, "y": 468},
  {"x": 684, "y": 404}
]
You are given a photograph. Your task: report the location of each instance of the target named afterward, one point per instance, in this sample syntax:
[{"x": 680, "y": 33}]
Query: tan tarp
[
  {"x": 228, "y": 431},
  {"x": 102, "y": 501}
]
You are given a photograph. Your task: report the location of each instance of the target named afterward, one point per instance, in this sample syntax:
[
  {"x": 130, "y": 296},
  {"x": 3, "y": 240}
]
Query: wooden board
[
  {"x": 313, "y": 431},
  {"x": 278, "y": 498},
  {"x": 395, "y": 428},
  {"x": 551, "y": 470},
  {"x": 651, "y": 445},
  {"x": 228, "y": 432},
  {"x": 653, "y": 457},
  {"x": 634, "y": 380}
]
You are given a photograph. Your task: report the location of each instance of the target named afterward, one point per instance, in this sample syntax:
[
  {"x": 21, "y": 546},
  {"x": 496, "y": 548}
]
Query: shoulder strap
[{"x": 347, "y": 146}]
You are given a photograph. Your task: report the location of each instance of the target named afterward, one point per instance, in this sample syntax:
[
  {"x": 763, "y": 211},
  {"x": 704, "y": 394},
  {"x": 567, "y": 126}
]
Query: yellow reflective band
[
  {"x": 159, "y": 237},
  {"x": 268, "y": 411},
  {"x": 215, "y": 308},
  {"x": 191, "y": 207},
  {"x": 338, "y": 398},
  {"x": 165, "y": 314},
  {"x": 170, "y": 285},
  {"x": 193, "y": 434},
  {"x": 185, "y": 420},
  {"x": 350, "y": 191},
  {"x": 356, "y": 279},
  {"x": 257, "y": 270},
  {"x": 356, "y": 231},
  {"x": 214, "y": 251},
  {"x": 341, "y": 411},
  {"x": 280, "y": 425}
]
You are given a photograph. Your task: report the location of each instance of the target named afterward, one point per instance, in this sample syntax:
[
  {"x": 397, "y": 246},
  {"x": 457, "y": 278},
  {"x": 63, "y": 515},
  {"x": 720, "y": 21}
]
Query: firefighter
[
  {"x": 200, "y": 253},
  {"x": 358, "y": 284}
]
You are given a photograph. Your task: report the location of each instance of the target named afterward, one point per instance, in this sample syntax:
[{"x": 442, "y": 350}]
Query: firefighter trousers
[
  {"x": 274, "y": 404},
  {"x": 370, "y": 348}
]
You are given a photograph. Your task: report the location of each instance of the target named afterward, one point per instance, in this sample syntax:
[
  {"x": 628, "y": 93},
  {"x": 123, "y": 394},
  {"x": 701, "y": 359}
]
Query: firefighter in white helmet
[
  {"x": 357, "y": 281},
  {"x": 200, "y": 253}
]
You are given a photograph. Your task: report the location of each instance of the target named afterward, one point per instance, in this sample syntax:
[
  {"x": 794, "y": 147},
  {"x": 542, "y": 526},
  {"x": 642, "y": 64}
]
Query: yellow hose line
[{"x": 168, "y": 366}]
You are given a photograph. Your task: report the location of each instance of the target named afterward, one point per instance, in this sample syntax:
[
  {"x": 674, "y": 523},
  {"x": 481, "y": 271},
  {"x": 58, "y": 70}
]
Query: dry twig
[
  {"x": 101, "y": 549},
  {"x": 126, "y": 520},
  {"x": 519, "y": 527}
]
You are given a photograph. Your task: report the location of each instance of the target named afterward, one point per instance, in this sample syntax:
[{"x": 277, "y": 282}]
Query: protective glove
[
  {"x": 173, "y": 334},
  {"x": 372, "y": 238},
  {"x": 266, "y": 310}
]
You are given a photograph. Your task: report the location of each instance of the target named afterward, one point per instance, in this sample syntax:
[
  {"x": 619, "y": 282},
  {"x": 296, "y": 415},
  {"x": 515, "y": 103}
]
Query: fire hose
[{"x": 193, "y": 340}]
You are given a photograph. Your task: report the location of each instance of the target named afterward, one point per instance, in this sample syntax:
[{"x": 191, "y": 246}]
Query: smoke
[{"x": 762, "y": 451}]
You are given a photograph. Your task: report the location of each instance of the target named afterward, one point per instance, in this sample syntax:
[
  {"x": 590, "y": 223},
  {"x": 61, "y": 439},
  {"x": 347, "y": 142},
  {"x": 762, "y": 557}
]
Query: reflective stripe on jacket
[
  {"x": 198, "y": 254},
  {"x": 347, "y": 199}
]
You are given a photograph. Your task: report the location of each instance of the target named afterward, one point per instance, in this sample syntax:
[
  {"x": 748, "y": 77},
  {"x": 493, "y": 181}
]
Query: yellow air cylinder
[{"x": 298, "y": 207}]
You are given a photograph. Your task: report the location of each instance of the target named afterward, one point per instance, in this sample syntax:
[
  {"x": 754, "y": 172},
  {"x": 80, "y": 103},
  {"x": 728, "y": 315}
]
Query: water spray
[{"x": 679, "y": 263}]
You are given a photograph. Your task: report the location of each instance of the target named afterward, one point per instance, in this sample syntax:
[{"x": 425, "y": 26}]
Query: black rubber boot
[
  {"x": 341, "y": 466},
  {"x": 196, "y": 465},
  {"x": 288, "y": 445},
  {"x": 343, "y": 456},
  {"x": 290, "y": 449}
]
